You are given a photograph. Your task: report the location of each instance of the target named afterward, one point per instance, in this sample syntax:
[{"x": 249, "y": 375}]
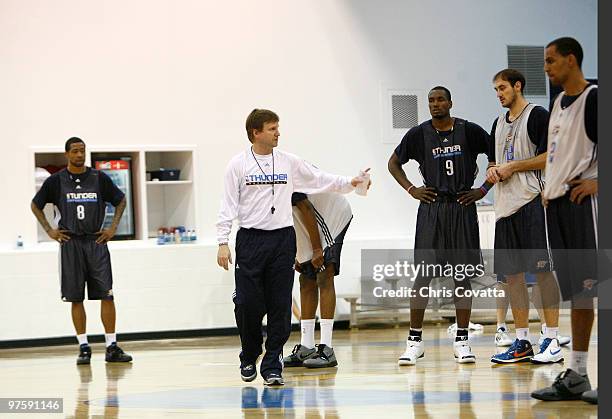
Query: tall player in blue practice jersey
[{"x": 79, "y": 194}]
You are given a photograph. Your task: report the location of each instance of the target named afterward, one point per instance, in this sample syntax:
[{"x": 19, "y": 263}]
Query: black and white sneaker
[
  {"x": 248, "y": 372},
  {"x": 414, "y": 350},
  {"x": 299, "y": 354},
  {"x": 324, "y": 358},
  {"x": 116, "y": 354},
  {"x": 462, "y": 351},
  {"x": 569, "y": 385},
  {"x": 84, "y": 357},
  {"x": 274, "y": 379}
]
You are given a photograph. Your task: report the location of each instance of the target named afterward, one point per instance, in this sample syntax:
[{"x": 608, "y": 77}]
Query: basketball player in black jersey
[
  {"x": 80, "y": 194},
  {"x": 446, "y": 150}
]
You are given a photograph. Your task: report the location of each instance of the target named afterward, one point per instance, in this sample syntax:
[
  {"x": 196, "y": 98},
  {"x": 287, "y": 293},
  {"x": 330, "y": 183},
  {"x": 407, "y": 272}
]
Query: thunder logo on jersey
[
  {"x": 81, "y": 197},
  {"x": 448, "y": 151}
]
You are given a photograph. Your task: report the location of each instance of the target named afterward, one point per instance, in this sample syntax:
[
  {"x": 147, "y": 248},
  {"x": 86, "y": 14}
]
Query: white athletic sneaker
[
  {"x": 502, "y": 338},
  {"x": 463, "y": 352},
  {"x": 563, "y": 340},
  {"x": 415, "y": 349},
  {"x": 550, "y": 352}
]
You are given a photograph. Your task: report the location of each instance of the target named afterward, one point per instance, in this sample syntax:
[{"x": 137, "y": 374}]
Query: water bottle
[
  {"x": 160, "y": 237},
  {"x": 362, "y": 188},
  {"x": 193, "y": 236},
  {"x": 177, "y": 236},
  {"x": 19, "y": 242}
]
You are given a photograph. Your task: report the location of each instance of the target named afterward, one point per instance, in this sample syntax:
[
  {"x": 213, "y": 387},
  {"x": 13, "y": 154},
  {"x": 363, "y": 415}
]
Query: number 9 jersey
[
  {"x": 80, "y": 199},
  {"x": 447, "y": 159}
]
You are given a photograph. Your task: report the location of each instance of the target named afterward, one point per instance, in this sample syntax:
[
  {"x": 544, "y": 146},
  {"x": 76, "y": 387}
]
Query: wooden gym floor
[{"x": 200, "y": 378}]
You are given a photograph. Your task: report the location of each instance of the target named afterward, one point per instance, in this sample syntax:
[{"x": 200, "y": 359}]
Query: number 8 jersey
[{"x": 79, "y": 198}]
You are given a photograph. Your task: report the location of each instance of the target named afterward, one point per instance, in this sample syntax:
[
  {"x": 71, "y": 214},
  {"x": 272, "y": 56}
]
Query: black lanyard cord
[{"x": 272, "y": 209}]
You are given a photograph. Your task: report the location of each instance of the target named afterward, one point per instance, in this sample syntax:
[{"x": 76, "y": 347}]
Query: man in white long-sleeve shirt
[{"x": 257, "y": 193}]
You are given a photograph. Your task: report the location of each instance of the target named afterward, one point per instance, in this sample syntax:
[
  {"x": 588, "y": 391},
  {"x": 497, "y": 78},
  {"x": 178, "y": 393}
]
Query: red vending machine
[{"x": 120, "y": 172}]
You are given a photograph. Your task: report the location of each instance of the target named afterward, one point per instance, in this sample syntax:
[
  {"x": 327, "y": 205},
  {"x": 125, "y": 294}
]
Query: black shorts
[
  {"x": 83, "y": 261},
  {"x": 572, "y": 233},
  {"x": 520, "y": 241},
  {"x": 331, "y": 254},
  {"x": 447, "y": 233}
]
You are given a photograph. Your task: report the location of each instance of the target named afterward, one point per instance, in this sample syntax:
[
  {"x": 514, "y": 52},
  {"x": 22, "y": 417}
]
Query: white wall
[
  {"x": 118, "y": 72},
  {"x": 189, "y": 71}
]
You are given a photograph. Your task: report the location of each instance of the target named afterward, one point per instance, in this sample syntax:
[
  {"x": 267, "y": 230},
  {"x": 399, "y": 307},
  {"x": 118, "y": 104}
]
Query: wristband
[
  {"x": 484, "y": 190},
  {"x": 222, "y": 244},
  {"x": 411, "y": 186}
]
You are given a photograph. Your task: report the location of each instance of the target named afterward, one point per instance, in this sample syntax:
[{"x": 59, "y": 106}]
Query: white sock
[
  {"x": 308, "y": 327},
  {"x": 578, "y": 362},
  {"x": 82, "y": 339},
  {"x": 327, "y": 327},
  {"x": 544, "y": 329},
  {"x": 110, "y": 338},
  {"x": 500, "y": 325},
  {"x": 523, "y": 334},
  {"x": 551, "y": 332}
]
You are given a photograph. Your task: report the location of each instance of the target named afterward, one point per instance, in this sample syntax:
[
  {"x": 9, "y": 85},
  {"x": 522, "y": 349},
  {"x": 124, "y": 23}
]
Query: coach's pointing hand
[
  {"x": 224, "y": 256},
  {"x": 357, "y": 180}
]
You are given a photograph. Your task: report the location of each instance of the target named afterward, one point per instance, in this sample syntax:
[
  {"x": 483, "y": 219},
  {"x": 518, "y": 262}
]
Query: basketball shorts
[
  {"x": 447, "y": 233},
  {"x": 83, "y": 262},
  {"x": 520, "y": 242},
  {"x": 331, "y": 254},
  {"x": 572, "y": 232}
]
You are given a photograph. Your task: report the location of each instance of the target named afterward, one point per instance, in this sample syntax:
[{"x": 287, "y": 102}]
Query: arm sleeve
[
  {"x": 297, "y": 197},
  {"x": 309, "y": 179},
  {"x": 408, "y": 148},
  {"x": 47, "y": 193},
  {"x": 492, "y": 156},
  {"x": 229, "y": 203},
  {"x": 479, "y": 140},
  {"x": 537, "y": 128},
  {"x": 590, "y": 115},
  {"x": 110, "y": 192}
]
